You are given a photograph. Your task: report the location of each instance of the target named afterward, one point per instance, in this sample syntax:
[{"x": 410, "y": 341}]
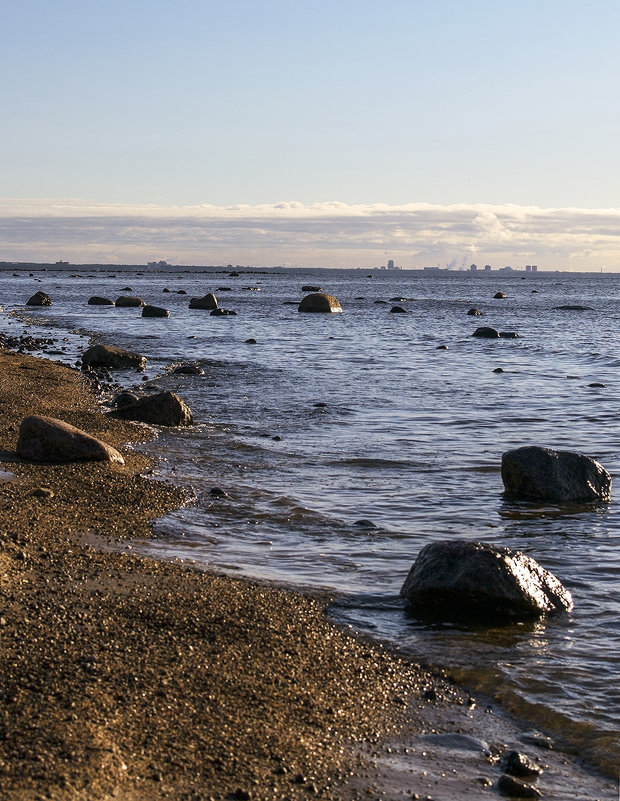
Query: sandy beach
[{"x": 126, "y": 678}]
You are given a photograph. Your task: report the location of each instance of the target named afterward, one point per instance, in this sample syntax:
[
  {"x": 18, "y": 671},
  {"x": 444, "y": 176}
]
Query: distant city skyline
[{"x": 263, "y": 131}]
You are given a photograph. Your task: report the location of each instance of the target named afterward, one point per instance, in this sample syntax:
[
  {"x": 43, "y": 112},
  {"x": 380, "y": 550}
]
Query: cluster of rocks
[{"x": 463, "y": 580}]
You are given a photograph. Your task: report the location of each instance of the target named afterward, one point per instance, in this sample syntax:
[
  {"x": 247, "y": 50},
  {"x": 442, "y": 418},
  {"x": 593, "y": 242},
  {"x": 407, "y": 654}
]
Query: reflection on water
[{"x": 328, "y": 421}]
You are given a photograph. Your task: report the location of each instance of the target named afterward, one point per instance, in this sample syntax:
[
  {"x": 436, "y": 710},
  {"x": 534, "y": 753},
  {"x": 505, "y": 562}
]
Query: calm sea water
[{"x": 345, "y": 443}]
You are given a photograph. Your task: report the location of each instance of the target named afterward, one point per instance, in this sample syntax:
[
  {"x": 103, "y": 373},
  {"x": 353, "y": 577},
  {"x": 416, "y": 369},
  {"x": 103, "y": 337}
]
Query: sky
[{"x": 328, "y": 134}]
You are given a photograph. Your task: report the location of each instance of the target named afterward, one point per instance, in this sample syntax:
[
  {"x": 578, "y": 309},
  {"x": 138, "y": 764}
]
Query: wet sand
[{"x": 125, "y": 678}]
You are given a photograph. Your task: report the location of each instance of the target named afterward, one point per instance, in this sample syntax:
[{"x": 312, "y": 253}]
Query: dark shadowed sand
[{"x": 124, "y": 678}]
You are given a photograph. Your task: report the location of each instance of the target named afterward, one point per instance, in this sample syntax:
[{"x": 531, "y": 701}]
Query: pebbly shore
[{"x": 126, "y": 678}]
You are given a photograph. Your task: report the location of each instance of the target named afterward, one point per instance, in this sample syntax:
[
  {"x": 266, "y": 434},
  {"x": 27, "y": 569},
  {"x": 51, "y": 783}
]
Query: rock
[
  {"x": 441, "y": 347},
  {"x": 309, "y": 288},
  {"x": 517, "y": 764},
  {"x": 97, "y": 301},
  {"x": 42, "y": 492},
  {"x": 250, "y": 341},
  {"x": 45, "y": 439},
  {"x": 461, "y": 580},
  {"x": 188, "y": 369},
  {"x": 498, "y": 370},
  {"x": 114, "y": 358},
  {"x": 163, "y": 409},
  {"x": 126, "y": 301},
  {"x": 499, "y": 295},
  {"x": 165, "y": 289},
  {"x": 509, "y": 335},
  {"x": 539, "y": 473},
  {"x": 398, "y": 310},
  {"x": 320, "y": 302},
  {"x": 154, "y": 311},
  {"x": 39, "y": 299},
  {"x": 570, "y": 307},
  {"x": 486, "y": 332},
  {"x": 124, "y": 399},
  {"x": 597, "y": 384},
  {"x": 206, "y": 302},
  {"x": 474, "y": 313},
  {"x": 221, "y": 312},
  {"x": 513, "y": 788}
]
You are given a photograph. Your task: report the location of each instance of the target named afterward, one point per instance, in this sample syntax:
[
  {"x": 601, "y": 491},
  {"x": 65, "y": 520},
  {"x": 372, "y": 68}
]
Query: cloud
[{"x": 329, "y": 234}]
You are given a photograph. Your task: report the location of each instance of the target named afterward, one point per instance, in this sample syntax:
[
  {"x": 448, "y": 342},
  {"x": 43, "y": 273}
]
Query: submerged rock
[
  {"x": 129, "y": 302},
  {"x": 398, "y": 310},
  {"x": 486, "y": 332},
  {"x": 39, "y": 299},
  {"x": 113, "y": 358},
  {"x": 154, "y": 311},
  {"x": 45, "y": 439},
  {"x": 163, "y": 409},
  {"x": 205, "y": 302},
  {"x": 539, "y": 473},
  {"x": 460, "y": 580},
  {"x": 320, "y": 302}
]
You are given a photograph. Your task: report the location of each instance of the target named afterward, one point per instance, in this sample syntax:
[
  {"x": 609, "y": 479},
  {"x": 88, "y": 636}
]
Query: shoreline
[{"x": 124, "y": 677}]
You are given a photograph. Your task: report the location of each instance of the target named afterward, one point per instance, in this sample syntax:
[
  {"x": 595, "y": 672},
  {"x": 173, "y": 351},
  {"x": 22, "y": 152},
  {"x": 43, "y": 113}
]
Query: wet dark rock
[
  {"x": 441, "y": 347},
  {"x": 368, "y": 524},
  {"x": 222, "y": 312},
  {"x": 113, "y": 358},
  {"x": 499, "y": 295},
  {"x": 162, "y": 409},
  {"x": 381, "y": 302},
  {"x": 48, "y": 440},
  {"x": 513, "y": 788},
  {"x": 165, "y": 290},
  {"x": 539, "y": 473},
  {"x": 537, "y": 739},
  {"x": 509, "y": 335},
  {"x": 474, "y": 313},
  {"x": 124, "y": 399},
  {"x": 597, "y": 384},
  {"x": 320, "y": 302},
  {"x": 486, "y": 333},
  {"x": 310, "y": 288},
  {"x": 126, "y": 289},
  {"x": 498, "y": 370},
  {"x": 154, "y": 311},
  {"x": 250, "y": 341},
  {"x": 208, "y": 302},
  {"x": 398, "y": 310},
  {"x": 517, "y": 764},
  {"x": 224, "y": 289},
  {"x": 575, "y": 307},
  {"x": 181, "y": 292},
  {"x": 188, "y": 369},
  {"x": 98, "y": 301},
  {"x": 218, "y": 492},
  {"x": 460, "y": 580},
  {"x": 39, "y": 299},
  {"x": 127, "y": 301}
]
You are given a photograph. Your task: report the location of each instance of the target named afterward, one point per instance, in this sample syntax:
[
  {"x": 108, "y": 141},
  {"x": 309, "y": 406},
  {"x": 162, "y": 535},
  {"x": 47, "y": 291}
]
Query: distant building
[
  {"x": 473, "y": 268},
  {"x": 487, "y": 268},
  {"x": 390, "y": 265}
]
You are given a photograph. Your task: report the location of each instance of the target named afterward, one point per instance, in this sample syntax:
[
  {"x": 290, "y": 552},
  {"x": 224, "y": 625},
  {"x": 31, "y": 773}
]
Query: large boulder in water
[
  {"x": 539, "y": 473},
  {"x": 96, "y": 300},
  {"x": 154, "y": 311},
  {"x": 113, "y": 358},
  {"x": 39, "y": 299},
  {"x": 460, "y": 580},
  {"x": 320, "y": 302},
  {"x": 206, "y": 302},
  {"x": 162, "y": 409},
  {"x": 486, "y": 333},
  {"x": 45, "y": 439}
]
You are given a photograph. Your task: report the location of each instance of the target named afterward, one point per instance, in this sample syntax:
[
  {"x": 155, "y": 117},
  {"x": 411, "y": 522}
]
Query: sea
[{"x": 328, "y": 449}]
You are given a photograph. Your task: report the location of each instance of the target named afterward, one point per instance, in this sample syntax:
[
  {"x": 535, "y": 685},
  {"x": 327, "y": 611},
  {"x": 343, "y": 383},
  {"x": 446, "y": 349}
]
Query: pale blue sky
[{"x": 187, "y": 103}]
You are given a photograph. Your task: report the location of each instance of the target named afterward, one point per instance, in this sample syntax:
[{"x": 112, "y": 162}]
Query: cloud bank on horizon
[{"x": 330, "y": 234}]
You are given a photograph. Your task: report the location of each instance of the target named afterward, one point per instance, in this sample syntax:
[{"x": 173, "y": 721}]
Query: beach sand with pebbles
[{"x": 126, "y": 678}]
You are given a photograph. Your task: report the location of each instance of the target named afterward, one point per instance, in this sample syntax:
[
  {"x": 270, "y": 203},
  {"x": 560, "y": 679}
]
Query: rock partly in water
[
  {"x": 320, "y": 302},
  {"x": 474, "y": 313},
  {"x": 205, "y": 302},
  {"x": 98, "y": 301},
  {"x": 460, "y": 580},
  {"x": 154, "y": 311},
  {"x": 310, "y": 288},
  {"x": 539, "y": 473},
  {"x": 45, "y": 439},
  {"x": 499, "y": 295},
  {"x": 398, "y": 310},
  {"x": 163, "y": 409},
  {"x": 486, "y": 332},
  {"x": 39, "y": 299},
  {"x": 113, "y": 358},
  {"x": 517, "y": 764},
  {"x": 509, "y": 335},
  {"x": 222, "y": 312},
  {"x": 124, "y": 398},
  {"x": 128, "y": 301},
  {"x": 188, "y": 369}
]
